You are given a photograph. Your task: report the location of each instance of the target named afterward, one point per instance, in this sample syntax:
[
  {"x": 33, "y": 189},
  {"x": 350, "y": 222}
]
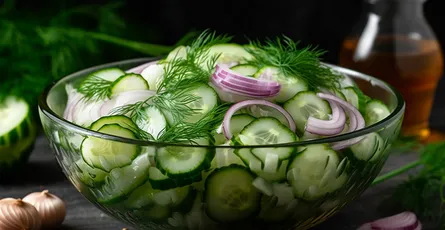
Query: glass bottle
[{"x": 394, "y": 42}]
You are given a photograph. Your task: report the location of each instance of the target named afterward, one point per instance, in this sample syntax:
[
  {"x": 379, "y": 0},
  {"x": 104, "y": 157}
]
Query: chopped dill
[
  {"x": 187, "y": 131},
  {"x": 94, "y": 88},
  {"x": 303, "y": 63}
]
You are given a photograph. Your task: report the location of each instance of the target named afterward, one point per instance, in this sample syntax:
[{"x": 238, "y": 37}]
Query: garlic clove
[
  {"x": 51, "y": 208},
  {"x": 16, "y": 214}
]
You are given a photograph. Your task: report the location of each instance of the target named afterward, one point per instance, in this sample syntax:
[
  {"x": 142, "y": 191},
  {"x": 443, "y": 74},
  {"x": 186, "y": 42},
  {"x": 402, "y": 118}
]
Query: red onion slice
[
  {"x": 234, "y": 108},
  {"x": 355, "y": 118},
  {"x": 401, "y": 221},
  {"x": 140, "y": 68},
  {"x": 229, "y": 90},
  {"x": 226, "y": 78},
  {"x": 328, "y": 127},
  {"x": 272, "y": 85}
]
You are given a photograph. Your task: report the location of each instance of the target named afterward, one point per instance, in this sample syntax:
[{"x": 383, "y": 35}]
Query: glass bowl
[{"x": 321, "y": 189}]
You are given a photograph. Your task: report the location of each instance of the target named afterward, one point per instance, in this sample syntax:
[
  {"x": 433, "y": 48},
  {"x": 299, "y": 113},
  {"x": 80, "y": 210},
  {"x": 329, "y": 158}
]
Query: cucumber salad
[{"x": 215, "y": 92}]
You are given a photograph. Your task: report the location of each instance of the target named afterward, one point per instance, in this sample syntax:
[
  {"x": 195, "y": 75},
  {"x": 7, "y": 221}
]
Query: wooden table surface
[{"x": 43, "y": 172}]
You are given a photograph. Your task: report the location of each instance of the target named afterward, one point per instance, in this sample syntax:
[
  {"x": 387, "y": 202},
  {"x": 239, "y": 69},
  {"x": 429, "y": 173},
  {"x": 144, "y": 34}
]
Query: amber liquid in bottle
[{"x": 414, "y": 67}]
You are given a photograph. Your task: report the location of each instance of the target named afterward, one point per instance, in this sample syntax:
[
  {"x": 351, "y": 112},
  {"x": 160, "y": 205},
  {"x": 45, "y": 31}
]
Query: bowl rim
[{"x": 47, "y": 111}]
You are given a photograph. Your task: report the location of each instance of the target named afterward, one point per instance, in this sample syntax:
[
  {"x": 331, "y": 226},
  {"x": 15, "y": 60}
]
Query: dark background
[{"x": 318, "y": 22}]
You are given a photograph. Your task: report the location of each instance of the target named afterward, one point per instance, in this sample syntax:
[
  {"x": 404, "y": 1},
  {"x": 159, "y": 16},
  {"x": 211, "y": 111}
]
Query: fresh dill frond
[
  {"x": 136, "y": 113},
  {"x": 176, "y": 104},
  {"x": 423, "y": 192},
  {"x": 94, "y": 88},
  {"x": 292, "y": 61},
  {"x": 188, "y": 132},
  {"x": 182, "y": 73}
]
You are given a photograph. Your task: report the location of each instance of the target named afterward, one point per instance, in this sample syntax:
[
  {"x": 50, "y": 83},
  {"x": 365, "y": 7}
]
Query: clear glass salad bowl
[{"x": 324, "y": 185}]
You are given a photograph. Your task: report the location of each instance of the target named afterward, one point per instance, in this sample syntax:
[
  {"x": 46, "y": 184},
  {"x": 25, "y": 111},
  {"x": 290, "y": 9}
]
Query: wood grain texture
[{"x": 43, "y": 172}]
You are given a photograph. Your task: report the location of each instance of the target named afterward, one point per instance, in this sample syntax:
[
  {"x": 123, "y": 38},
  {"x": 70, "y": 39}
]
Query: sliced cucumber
[
  {"x": 290, "y": 85},
  {"x": 184, "y": 162},
  {"x": 375, "y": 111},
  {"x": 146, "y": 195},
  {"x": 230, "y": 53},
  {"x": 120, "y": 120},
  {"x": 369, "y": 148},
  {"x": 109, "y": 74},
  {"x": 230, "y": 195},
  {"x": 128, "y": 82},
  {"x": 160, "y": 181},
  {"x": 89, "y": 175},
  {"x": 154, "y": 75},
  {"x": 304, "y": 105},
  {"x": 106, "y": 154},
  {"x": 15, "y": 121},
  {"x": 153, "y": 121},
  {"x": 313, "y": 173},
  {"x": 179, "y": 52},
  {"x": 270, "y": 170},
  {"x": 121, "y": 181},
  {"x": 245, "y": 69},
  {"x": 208, "y": 99},
  {"x": 258, "y": 111},
  {"x": 355, "y": 97},
  {"x": 265, "y": 131},
  {"x": 237, "y": 123}
]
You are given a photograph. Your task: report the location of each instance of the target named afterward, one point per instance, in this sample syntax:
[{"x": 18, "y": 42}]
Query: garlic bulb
[
  {"x": 16, "y": 214},
  {"x": 51, "y": 208}
]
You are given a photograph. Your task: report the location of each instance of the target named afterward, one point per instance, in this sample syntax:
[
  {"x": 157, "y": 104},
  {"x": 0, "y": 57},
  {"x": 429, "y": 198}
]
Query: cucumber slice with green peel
[
  {"x": 154, "y": 75},
  {"x": 15, "y": 155},
  {"x": 258, "y": 111},
  {"x": 290, "y": 85},
  {"x": 15, "y": 120},
  {"x": 307, "y": 104},
  {"x": 207, "y": 100},
  {"x": 266, "y": 131},
  {"x": 314, "y": 172},
  {"x": 369, "y": 148},
  {"x": 230, "y": 195},
  {"x": 375, "y": 111},
  {"x": 156, "y": 213},
  {"x": 355, "y": 97},
  {"x": 128, "y": 82},
  {"x": 120, "y": 120},
  {"x": 177, "y": 53},
  {"x": 162, "y": 182},
  {"x": 122, "y": 181},
  {"x": 88, "y": 175},
  {"x": 245, "y": 69},
  {"x": 109, "y": 74},
  {"x": 237, "y": 123},
  {"x": 146, "y": 195},
  {"x": 153, "y": 121},
  {"x": 184, "y": 162},
  {"x": 106, "y": 154},
  {"x": 229, "y": 53},
  {"x": 272, "y": 172}
]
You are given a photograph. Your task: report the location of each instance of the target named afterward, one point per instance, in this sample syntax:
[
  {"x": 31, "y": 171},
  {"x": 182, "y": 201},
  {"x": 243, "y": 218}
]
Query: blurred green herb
[
  {"x": 39, "y": 47},
  {"x": 423, "y": 191}
]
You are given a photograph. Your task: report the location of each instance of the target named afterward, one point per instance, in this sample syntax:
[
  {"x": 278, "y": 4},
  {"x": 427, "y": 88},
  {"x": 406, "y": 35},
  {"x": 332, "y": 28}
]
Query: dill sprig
[
  {"x": 292, "y": 61},
  {"x": 94, "y": 88},
  {"x": 188, "y": 131},
  {"x": 423, "y": 192}
]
